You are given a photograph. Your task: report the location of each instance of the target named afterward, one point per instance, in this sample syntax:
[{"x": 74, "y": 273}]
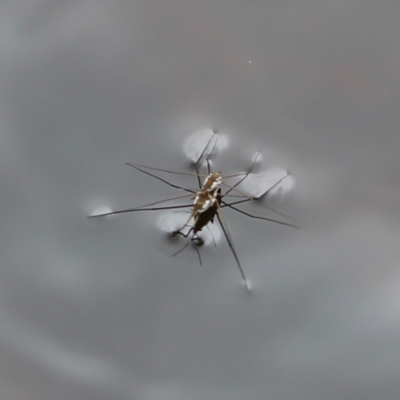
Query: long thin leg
[
  {"x": 209, "y": 155},
  {"x": 129, "y": 210},
  {"x": 183, "y": 248},
  {"x": 234, "y": 175},
  {"x": 224, "y": 204},
  {"x": 245, "y": 176},
  {"x": 198, "y": 254},
  {"x": 258, "y": 217},
  {"x": 230, "y": 205},
  {"x": 273, "y": 186},
  {"x": 209, "y": 230},
  {"x": 230, "y": 243},
  {"x": 235, "y": 189},
  {"x": 178, "y": 231},
  {"x": 163, "y": 170},
  {"x": 165, "y": 200},
  {"x": 161, "y": 179},
  {"x": 187, "y": 243},
  {"x": 205, "y": 148},
  {"x": 196, "y": 164},
  {"x": 200, "y": 241},
  {"x": 264, "y": 194}
]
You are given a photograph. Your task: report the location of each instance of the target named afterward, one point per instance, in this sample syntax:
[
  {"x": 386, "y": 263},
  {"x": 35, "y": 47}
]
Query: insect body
[
  {"x": 208, "y": 202},
  {"x": 205, "y": 207}
]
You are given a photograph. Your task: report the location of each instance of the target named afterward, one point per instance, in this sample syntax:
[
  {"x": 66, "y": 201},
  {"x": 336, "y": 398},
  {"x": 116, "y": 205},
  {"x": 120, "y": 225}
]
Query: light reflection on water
[
  {"x": 172, "y": 221},
  {"x": 204, "y": 142},
  {"x": 275, "y": 181},
  {"x": 326, "y": 305}
]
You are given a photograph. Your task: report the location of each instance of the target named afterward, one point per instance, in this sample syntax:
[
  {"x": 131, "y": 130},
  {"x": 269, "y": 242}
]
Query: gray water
[{"x": 98, "y": 309}]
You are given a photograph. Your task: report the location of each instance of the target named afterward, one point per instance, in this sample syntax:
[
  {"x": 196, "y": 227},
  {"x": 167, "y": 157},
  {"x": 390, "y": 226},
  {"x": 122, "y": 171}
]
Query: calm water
[{"x": 98, "y": 309}]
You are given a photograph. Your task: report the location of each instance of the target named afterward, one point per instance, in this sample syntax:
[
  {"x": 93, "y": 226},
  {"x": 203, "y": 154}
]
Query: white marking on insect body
[
  {"x": 216, "y": 184},
  {"x": 202, "y": 202},
  {"x": 205, "y": 205},
  {"x": 212, "y": 182},
  {"x": 208, "y": 177}
]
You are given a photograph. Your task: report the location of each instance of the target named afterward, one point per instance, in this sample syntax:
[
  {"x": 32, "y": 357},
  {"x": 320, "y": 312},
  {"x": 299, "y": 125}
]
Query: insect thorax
[
  {"x": 212, "y": 182},
  {"x": 207, "y": 200},
  {"x": 202, "y": 202}
]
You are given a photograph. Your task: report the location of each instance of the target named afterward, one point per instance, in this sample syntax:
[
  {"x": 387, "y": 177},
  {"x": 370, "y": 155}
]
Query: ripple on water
[
  {"x": 172, "y": 221},
  {"x": 275, "y": 182},
  {"x": 204, "y": 140}
]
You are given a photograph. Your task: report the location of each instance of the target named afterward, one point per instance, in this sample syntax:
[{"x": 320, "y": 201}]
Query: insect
[{"x": 208, "y": 201}]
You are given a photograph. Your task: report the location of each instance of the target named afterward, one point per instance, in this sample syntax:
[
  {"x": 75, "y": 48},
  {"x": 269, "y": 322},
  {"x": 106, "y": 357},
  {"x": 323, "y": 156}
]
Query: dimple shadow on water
[{"x": 204, "y": 143}]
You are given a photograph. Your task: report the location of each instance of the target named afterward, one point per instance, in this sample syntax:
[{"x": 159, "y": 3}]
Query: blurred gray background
[{"x": 98, "y": 309}]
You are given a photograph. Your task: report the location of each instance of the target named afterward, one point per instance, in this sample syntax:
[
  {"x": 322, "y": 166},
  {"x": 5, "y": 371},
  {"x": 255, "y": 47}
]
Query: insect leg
[
  {"x": 179, "y": 231},
  {"x": 245, "y": 175},
  {"x": 256, "y": 216},
  {"x": 160, "y": 179},
  {"x": 230, "y": 243},
  {"x": 183, "y": 248},
  {"x": 215, "y": 243},
  {"x": 193, "y": 238},
  {"x": 163, "y": 170},
  {"x": 165, "y": 200},
  {"x": 198, "y": 253},
  {"x": 257, "y": 198},
  {"x": 128, "y": 210},
  {"x": 196, "y": 164},
  {"x": 209, "y": 155},
  {"x": 262, "y": 205}
]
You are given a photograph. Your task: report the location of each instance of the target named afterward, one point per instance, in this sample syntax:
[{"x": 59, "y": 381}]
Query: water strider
[{"x": 208, "y": 201}]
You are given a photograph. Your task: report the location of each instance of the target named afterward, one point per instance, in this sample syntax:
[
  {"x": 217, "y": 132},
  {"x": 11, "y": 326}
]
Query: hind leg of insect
[{"x": 247, "y": 199}]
